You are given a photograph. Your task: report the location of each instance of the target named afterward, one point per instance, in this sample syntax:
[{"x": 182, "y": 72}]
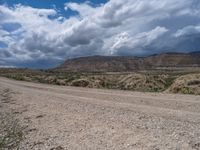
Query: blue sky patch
[
  {"x": 3, "y": 45},
  {"x": 10, "y": 26},
  {"x": 49, "y": 4}
]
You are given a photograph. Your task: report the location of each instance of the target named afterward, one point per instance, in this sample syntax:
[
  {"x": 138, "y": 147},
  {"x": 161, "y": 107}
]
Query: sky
[{"x": 44, "y": 33}]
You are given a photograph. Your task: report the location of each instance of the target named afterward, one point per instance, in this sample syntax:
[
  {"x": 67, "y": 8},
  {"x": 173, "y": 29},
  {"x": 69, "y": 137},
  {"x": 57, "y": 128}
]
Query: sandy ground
[{"x": 58, "y": 117}]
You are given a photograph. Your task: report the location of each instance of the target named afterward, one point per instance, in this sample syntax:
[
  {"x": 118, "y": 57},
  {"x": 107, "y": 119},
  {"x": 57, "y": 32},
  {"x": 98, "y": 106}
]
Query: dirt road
[{"x": 59, "y": 117}]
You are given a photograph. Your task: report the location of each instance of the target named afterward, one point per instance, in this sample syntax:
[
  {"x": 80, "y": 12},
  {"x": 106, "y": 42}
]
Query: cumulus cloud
[
  {"x": 125, "y": 42},
  {"x": 43, "y": 38},
  {"x": 188, "y": 31}
]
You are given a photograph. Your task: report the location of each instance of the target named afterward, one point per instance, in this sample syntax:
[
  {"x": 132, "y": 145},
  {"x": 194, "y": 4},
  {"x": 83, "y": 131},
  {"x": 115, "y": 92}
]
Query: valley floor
[{"x": 62, "y": 117}]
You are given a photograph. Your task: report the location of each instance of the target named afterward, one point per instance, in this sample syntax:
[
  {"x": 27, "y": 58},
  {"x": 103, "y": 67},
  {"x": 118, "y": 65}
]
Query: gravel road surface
[{"x": 72, "y": 118}]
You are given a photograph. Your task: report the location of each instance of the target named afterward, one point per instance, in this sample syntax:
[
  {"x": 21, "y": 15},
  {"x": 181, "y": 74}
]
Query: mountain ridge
[{"x": 100, "y": 63}]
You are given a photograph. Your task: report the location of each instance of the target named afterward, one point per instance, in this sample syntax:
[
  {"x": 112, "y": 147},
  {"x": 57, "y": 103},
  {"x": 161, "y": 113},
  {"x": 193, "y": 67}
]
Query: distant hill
[
  {"x": 195, "y": 53},
  {"x": 129, "y": 63}
]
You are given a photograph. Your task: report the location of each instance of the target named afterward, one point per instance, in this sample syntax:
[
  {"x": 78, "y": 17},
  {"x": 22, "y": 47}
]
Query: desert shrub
[
  {"x": 186, "y": 90},
  {"x": 111, "y": 85},
  {"x": 169, "y": 81},
  {"x": 70, "y": 78},
  {"x": 80, "y": 82},
  {"x": 17, "y": 77},
  {"x": 194, "y": 82}
]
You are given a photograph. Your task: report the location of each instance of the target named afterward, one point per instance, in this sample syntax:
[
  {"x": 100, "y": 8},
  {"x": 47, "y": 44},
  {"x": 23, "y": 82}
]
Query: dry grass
[
  {"x": 11, "y": 133},
  {"x": 145, "y": 81}
]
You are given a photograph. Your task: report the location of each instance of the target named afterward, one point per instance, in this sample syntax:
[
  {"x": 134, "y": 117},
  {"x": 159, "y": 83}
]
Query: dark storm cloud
[{"x": 41, "y": 38}]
